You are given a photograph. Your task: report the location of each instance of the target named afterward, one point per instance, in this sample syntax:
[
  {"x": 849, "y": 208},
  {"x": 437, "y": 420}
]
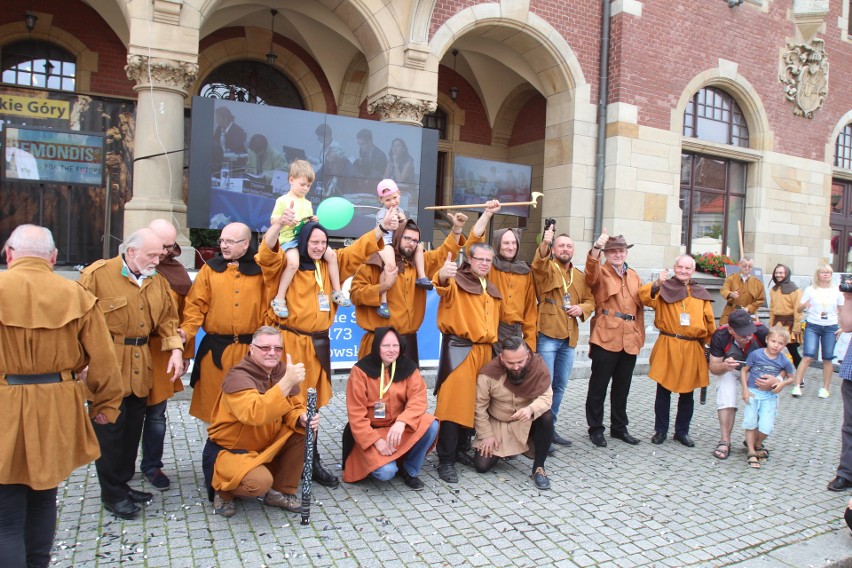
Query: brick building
[{"x": 705, "y": 144}]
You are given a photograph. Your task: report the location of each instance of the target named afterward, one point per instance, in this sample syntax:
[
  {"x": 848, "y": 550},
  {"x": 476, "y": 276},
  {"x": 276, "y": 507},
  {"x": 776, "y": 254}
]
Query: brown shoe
[
  {"x": 287, "y": 502},
  {"x": 222, "y": 507}
]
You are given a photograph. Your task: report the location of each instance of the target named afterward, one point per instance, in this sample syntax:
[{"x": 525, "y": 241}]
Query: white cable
[{"x": 148, "y": 19}]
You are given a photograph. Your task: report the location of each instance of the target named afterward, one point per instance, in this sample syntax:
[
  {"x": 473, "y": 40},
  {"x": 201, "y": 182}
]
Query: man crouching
[
  {"x": 513, "y": 398},
  {"x": 256, "y": 441}
]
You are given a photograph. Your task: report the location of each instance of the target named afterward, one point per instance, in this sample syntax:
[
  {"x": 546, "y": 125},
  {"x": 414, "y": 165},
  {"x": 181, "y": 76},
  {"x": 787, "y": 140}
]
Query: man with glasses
[
  {"x": 683, "y": 312},
  {"x": 729, "y": 347},
  {"x": 468, "y": 316},
  {"x": 256, "y": 443},
  {"x": 228, "y": 301}
]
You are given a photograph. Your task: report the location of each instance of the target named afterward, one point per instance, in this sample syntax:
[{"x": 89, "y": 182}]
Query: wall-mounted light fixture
[
  {"x": 454, "y": 91},
  {"x": 30, "y": 20},
  {"x": 271, "y": 57},
  {"x": 734, "y": 3}
]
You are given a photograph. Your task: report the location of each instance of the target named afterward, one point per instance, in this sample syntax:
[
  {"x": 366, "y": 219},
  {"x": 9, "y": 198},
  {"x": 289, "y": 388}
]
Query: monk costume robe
[
  {"x": 406, "y": 301},
  {"x": 468, "y": 318},
  {"x": 752, "y": 295},
  {"x": 47, "y": 432},
  {"x": 405, "y": 401},
  {"x": 227, "y": 300},
  {"x": 255, "y": 441},
  {"x": 684, "y": 315},
  {"x": 513, "y": 279},
  {"x": 784, "y": 300}
]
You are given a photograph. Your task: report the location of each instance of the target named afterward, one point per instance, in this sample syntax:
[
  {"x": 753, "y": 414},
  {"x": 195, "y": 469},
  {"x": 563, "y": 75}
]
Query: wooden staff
[
  {"x": 535, "y": 196},
  {"x": 307, "y": 471}
]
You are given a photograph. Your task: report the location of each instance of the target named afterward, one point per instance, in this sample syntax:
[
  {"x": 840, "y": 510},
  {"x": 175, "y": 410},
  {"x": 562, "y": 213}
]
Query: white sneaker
[
  {"x": 823, "y": 393},
  {"x": 797, "y": 391}
]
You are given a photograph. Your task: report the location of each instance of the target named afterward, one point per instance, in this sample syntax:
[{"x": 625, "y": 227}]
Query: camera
[
  {"x": 846, "y": 285},
  {"x": 549, "y": 222}
]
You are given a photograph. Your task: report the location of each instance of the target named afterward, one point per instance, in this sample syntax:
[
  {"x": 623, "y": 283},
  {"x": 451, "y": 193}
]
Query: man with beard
[
  {"x": 406, "y": 301},
  {"x": 742, "y": 290},
  {"x": 163, "y": 387},
  {"x": 563, "y": 297},
  {"x": 305, "y": 331},
  {"x": 683, "y": 312},
  {"x": 136, "y": 303},
  {"x": 228, "y": 300},
  {"x": 513, "y": 397},
  {"x": 514, "y": 280},
  {"x": 468, "y": 316}
]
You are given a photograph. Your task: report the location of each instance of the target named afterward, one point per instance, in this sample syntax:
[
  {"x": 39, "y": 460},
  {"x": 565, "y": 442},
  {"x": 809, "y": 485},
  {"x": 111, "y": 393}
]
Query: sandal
[
  {"x": 384, "y": 311},
  {"x": 341, "y": 300},
  {"x": 753, "y": 462},
  {"x": 722, "y": 450},
  {"x": 280, "y": 308},
  {"x": 762, "y": 453}
]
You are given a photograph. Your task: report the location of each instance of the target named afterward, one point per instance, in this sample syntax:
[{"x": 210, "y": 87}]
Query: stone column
[
  {"x": 401, "y": 109},
  {"x": 161, "y": 87}
]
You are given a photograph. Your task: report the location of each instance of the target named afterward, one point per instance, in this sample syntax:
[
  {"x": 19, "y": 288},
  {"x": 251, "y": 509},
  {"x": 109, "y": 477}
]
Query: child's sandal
[
  {"x": 753, "y": 462},
  {"x": 341, "y": 300},
  {"x": 280, "y": 308}
]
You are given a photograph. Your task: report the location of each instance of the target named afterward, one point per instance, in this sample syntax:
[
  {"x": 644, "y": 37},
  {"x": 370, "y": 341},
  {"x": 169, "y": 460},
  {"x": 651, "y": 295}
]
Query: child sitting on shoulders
[
  {"x": 301, "y": 177},
  {"x": 389, "y": 195},
  {"x": 762, "y": 405}
]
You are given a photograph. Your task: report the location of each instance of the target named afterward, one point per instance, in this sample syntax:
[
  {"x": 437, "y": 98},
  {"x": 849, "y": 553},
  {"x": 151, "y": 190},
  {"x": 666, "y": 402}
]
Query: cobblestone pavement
[{"x": 621, "y": 506}]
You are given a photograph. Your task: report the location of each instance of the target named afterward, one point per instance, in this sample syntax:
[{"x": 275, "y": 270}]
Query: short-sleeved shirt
[
  {"x": 723, "y": 345},
  {"x": 301, "y": 206},
  {"x": 824, "y": 304},
  {"x": 759, "y": 363}
]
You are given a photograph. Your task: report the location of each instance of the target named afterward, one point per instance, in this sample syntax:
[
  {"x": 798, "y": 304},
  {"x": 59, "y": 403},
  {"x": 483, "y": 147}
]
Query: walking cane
[{"x": 307, "y": 471}]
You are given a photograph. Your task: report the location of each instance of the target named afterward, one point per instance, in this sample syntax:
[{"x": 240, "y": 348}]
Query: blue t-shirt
[{"x": 759, "y": 364}]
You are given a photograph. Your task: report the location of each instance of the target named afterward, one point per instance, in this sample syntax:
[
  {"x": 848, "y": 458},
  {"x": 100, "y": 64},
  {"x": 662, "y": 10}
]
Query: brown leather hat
[{"x": 616, "y": 242}]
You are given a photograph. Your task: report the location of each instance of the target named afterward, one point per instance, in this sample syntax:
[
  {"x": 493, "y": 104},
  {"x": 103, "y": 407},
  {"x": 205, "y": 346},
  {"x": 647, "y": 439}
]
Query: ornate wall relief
[{"x": 805, "y": 76}]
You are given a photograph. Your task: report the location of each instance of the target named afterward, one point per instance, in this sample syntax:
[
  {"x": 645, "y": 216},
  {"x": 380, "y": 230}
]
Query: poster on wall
[
  {"x": 53, "y": 156},
  {"x": 476, "y": 181}
]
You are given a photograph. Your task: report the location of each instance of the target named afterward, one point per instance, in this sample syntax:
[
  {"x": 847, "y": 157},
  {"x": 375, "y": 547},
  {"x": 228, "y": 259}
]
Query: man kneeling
[
  {"x": 513, "y": 398},
  {"x": 256, "y": 441}
]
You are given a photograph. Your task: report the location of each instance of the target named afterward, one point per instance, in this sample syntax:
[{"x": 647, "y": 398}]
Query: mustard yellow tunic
[
  {"x": 51, "y": 324},
  {"x": 679, "y": 364},
  {"x": 227, "y": 303},
  {"x": 133, "y": 311},
  {"x": 550, "y": 279},
  {"x": 162, "y": 387},
  {"x": 752, "y": 295},
  {"x": 786, "y": 305},
  {"x": 519, "y": 303},
  {"x": 303, "y": 303}
]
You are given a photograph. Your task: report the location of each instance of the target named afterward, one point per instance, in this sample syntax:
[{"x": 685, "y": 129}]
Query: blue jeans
[
  {"x": 816, "y": 335},
  {"x": 413, "y": 460},
  {"x": 153, "y": 436},
  {"x": 558, "y": 355}
]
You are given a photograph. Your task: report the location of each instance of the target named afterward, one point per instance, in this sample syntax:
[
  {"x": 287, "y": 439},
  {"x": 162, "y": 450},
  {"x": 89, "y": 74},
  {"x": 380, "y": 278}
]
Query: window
[
  {"x": 39, "y": 64},
  {"x": 252, "y": 82},
  {"x": 437, "y": 121},
  {"x": 713, "y": 189},
  {"x": 841, "y": 205},
  {"x": 843, "y": 148}
]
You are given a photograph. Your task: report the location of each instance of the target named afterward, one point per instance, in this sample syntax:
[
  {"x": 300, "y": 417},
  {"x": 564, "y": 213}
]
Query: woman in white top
[{"x": 820, "y": 303}]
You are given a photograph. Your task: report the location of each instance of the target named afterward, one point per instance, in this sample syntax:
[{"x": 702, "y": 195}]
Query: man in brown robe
[
  {"x": 257, "y": 438},
  {"x": 513, "y": 398},
  {"x": 683, "y": 312},
  {"x": 136, "y": 303},
  {"x": 162, "y": 386},
  {"x": 50, "y": 329},
  {"x": 742, "y": 290},
  {"x": 228, "y": 301},
  {"x": 468, "y": 316}
]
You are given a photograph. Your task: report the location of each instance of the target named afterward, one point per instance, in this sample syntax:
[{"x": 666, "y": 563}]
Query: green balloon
[{"x": 335, "y": 213}]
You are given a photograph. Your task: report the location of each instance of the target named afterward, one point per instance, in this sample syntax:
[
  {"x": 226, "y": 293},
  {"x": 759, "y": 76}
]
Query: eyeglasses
[
  {"x": 411, "y": 240},
  {"x": 172, "y": 246},
  {"x": 268, "y": 348},
  {"x": 228, "y": 242},
  {"x": 482, "y": 260}
]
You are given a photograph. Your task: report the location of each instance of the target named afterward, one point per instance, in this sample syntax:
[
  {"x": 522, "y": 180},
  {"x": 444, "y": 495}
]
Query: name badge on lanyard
[
  {"x": 322, "y": 297},
  {"x": 684, "y": 319},
  {"x": 324, "y": 305},
  {"x": 379, "y": 410}
]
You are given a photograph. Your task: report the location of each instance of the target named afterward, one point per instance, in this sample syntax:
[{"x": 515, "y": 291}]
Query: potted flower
[
  {"x": 712, "y": 263},
  {"x": 206, "y": 244}
]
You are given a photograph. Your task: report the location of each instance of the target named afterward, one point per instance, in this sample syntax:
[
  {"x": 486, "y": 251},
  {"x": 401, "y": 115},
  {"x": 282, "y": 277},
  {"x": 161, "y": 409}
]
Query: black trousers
[
  {"x": 662, "y": 406},
  {"x": 119, "y": 447},
  {"x": 27, "y": 526},
  {"x": 452, "y": 439},
  {"x": 541, "y": 432},
  {"x": 617, "y": 366}
]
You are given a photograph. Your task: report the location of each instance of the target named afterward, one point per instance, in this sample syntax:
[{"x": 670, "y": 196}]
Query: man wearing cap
[
  {"x": 730, "y": 345},
  {"x": 742, "y": 290},
  {"x": 683, "y": 313},
  {"x": 617, "y": 336}
]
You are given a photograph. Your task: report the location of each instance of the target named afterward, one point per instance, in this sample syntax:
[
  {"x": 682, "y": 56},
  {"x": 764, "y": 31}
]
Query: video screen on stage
[
  {"x": 476, "y": 181},
  {"x": 240, "y": 155},
  {"x": 53, "y": 156}
]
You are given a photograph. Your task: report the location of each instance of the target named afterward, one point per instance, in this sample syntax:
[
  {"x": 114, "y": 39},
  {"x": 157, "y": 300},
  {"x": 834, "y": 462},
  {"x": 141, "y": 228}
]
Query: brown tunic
[
  {"x": 50, "y": 324},
  {"x": 404, "y": 401},
  {"x": 615, "y": 293},
  {"x": 552, "y": 320},
  {"x": 133, "y": 311},
  {"x": 752, "y": 295},
  {"x": 786, "y": 306}
]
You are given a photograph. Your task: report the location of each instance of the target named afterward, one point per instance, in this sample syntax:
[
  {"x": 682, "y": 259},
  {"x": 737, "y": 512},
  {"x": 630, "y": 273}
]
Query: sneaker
[
  {"x": 223, "y": 508},
  {"x": 280, "y": 308},
  {"x": 383, "y": 311},
  {"x": 158, "y": 479},
  {"x": 287, "y": 502},
  {"x": 424, "y": 283},
  {"x": 797, "y": 392},
  {"x": 341, "y": 300},
  {"x": 823, "y": 393}
]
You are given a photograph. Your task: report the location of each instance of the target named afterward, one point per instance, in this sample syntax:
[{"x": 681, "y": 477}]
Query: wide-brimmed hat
[
  {"x": 616, "y": 242},
  {"x": 740, "y": 321}
]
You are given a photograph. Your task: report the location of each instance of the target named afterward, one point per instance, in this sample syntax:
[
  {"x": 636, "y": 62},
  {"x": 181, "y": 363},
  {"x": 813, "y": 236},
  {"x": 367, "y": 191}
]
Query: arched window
[
  {"x": 39, "y": 64},
  {"x": 841, "y": 204},
  {"x": 252, "y": 82},
  {"x": 712, "y": 188}
]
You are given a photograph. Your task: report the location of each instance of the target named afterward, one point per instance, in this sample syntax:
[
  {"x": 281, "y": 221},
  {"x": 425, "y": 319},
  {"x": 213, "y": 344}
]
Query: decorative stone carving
[
  {"x": 805, "y": 76},
  {"x": 161, "y": 73},
  {"x": 167, "y": 11},
  {"x": 394, "y": 108}
]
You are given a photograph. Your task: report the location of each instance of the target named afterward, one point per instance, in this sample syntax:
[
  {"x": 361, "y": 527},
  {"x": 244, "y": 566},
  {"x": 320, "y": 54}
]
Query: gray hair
[
  {"x": 689, "y": 256},
  {"x": 136, "y": 239},
  {"x": 265, "y": 330},
  {"x": 32, "y": 240},
  {"x": 480, "y": 246}
]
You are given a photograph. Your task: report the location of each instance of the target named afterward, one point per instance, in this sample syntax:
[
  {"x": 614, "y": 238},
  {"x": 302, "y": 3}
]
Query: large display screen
[
  {"x": 53, "y": 156},
  {"x": 240, "y": 155},
  {"x": 476, "y": 181}
]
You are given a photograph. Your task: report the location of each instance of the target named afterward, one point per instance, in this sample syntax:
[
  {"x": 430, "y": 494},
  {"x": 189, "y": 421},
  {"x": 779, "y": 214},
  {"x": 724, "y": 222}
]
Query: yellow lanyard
[
  {"x": 484, "y": 284},
  {"x": 382, "y": 388},
  {"x": 565, "y": 285},
  {"x": 318, "y": 276}
]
